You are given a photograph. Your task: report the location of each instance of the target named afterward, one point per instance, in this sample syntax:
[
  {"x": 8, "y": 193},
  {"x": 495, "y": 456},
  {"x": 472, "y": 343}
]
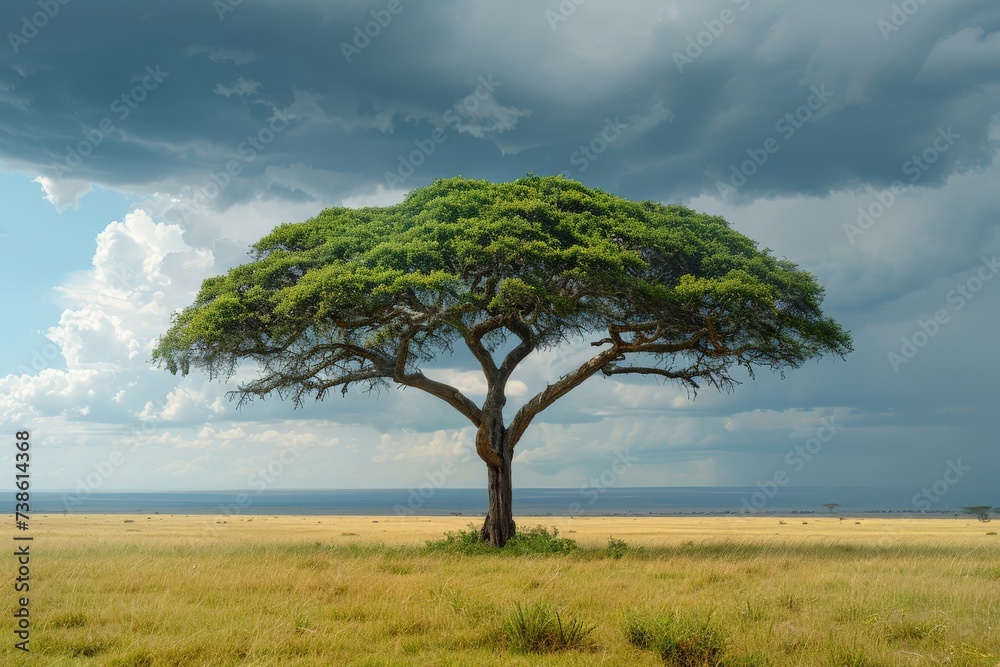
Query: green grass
[{"x": 151, "y": 600}]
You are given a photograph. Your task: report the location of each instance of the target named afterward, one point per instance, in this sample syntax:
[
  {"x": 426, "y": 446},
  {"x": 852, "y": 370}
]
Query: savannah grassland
[{"x": 149, "y": 590}]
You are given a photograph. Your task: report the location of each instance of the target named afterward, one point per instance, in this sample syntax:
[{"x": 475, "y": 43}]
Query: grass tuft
[
  {"x": 684, "y": 641},
  {"x": 617, "y": 548},
  {"x": 540, "y": 628}
]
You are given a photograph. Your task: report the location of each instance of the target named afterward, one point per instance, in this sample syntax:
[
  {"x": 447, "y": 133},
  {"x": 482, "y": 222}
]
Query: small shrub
[
  {"x": 459, "y": 541},
  {"x": 537, "y": 540},
  {"x": 617, "y": 548},
  {"x": 640, "y": 633},
  {"x": 992, "y": 532},
  {"x": 681, "y": 641},
  {"x": 540, "y": 628}
]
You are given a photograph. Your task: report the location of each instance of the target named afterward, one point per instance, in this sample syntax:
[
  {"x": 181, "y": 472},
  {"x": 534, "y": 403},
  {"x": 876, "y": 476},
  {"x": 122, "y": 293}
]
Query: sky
[{"x": 145, "y": 146}]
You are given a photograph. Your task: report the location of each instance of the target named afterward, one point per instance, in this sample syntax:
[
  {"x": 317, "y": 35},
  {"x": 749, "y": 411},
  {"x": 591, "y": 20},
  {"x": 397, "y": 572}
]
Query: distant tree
[
  {"x": 362, "y": 297},
  {"x": 981, "y": 512},
  {"x": 831, "y": 506}
]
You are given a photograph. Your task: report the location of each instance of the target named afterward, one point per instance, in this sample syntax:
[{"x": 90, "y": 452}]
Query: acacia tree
[
  {"x": 981, "y": 512},
  {"x": 364, "y": 296},
  {"x": 831, "y": 506}
]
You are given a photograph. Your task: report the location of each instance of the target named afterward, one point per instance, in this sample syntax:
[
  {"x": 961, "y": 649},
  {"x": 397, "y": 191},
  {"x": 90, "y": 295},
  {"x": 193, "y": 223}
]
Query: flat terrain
[{"x": 148, "y": 590}]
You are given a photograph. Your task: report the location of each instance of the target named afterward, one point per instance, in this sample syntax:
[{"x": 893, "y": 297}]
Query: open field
[{"x": 149, "y": 590}]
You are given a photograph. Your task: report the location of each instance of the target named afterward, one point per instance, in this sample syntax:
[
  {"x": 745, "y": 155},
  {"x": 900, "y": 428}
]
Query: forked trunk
[{"x": 499, "y": 524}]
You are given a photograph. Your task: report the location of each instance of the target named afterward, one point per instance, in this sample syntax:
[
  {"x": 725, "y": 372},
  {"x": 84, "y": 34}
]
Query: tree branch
[
  {"x": 554, "y": 392},
  {"x": 483, "y": 356},
  {"x": 519, "y": 353},
  {"x": 281, "y": 381},
  {"x": 666, "y": 348},
  {"x": 717, "y": 377},
  {"x": 445, "y": 392}
]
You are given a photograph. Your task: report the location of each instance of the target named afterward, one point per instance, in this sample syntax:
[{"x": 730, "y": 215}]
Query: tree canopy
[
  {"x": 364, "y": 296},
  {"x": 981, "y": 512}
]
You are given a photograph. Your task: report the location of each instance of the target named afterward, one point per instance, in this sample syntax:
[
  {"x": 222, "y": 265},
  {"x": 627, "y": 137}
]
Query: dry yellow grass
[
  {"x": 588, "y": 531},
  {"x": 321, "y": 590}
]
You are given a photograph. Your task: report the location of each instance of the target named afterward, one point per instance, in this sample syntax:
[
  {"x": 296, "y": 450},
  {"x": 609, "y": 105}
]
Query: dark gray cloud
[{"x": 647, "y": 101}]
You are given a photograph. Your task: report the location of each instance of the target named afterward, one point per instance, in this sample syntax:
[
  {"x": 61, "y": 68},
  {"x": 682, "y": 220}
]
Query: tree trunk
[{"x": 499, "y": 524}]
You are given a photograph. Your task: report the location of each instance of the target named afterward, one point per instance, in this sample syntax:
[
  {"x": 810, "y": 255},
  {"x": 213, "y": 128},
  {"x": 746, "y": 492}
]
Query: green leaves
[
  {"x": 515, "y": 295},
  {"x": 541, "y": 258}
]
